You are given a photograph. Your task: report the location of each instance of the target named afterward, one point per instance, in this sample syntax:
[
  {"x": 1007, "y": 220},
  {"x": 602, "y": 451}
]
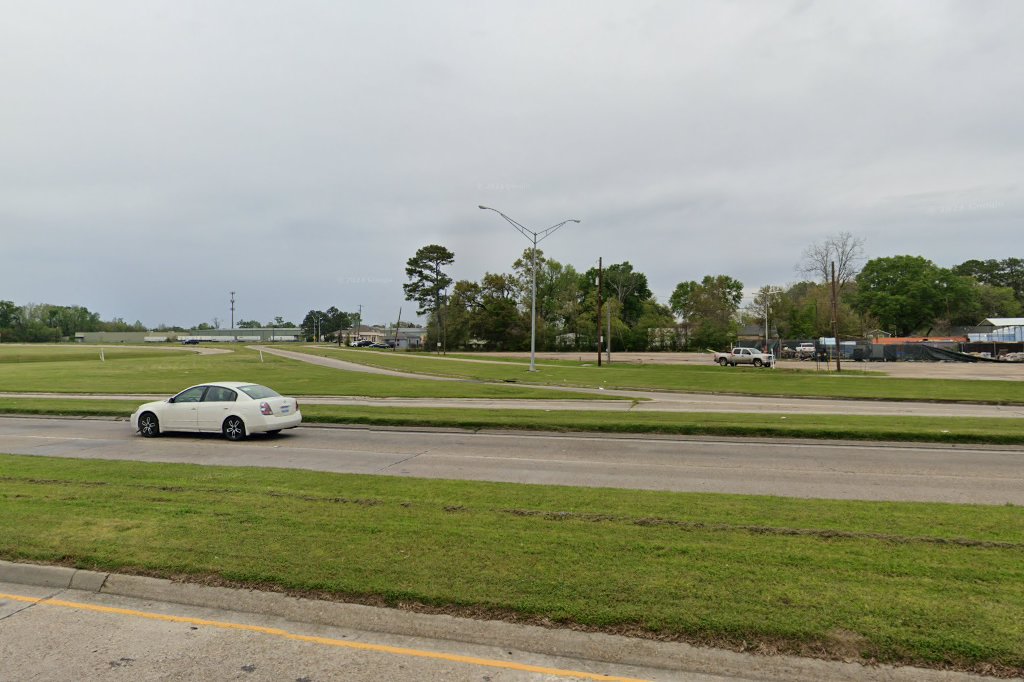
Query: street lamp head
[{"x": 486, "y": 208}]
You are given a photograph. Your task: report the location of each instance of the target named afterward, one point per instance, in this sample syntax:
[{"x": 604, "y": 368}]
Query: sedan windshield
[{"x": 256, "y": 392}]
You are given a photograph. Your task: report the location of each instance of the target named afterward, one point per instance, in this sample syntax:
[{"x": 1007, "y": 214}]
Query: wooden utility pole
[
  {"x": 600, "y": 274},
  {"x": 608, "y": 341},
  {"x": 835, "y": 319},
  {"x": 398, "y": 325}
]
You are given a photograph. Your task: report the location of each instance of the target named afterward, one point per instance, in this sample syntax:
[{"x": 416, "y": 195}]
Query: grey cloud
[{"x": 299, "y": 153}]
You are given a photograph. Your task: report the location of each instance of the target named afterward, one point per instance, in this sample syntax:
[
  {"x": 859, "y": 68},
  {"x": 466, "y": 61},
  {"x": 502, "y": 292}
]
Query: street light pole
[
  {"x": 535, "y": 237},
  {"x": 769, "y": 291},
  {"x": 359, "y": 323}
]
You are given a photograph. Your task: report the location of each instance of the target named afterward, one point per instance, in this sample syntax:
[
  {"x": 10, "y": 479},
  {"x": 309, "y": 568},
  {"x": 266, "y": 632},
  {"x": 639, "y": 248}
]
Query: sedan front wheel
[
  {"x": 234, "y": 428},
  {"x": 149, "y": 425}
]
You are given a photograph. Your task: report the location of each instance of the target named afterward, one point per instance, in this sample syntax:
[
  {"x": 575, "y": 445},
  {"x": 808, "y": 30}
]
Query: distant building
[
  {"x": 407, "y": 338},
  {"x": 1000, "y": 329},
  {"x": 256, "y": 335}
]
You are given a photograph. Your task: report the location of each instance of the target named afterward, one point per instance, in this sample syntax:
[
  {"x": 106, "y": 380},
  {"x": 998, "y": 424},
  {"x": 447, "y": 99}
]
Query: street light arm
[
  {"x": 527, "y": 232},
  {"x": 544, "y": 234}
]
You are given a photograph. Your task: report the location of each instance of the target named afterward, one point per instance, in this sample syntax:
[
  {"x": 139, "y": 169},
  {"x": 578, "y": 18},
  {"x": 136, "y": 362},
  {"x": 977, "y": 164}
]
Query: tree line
[
  {"x": 494, "y": 312},
  {"x": 897, "y": 295},
  {"x": 893, "y": 295},
  {"x": 44, "y": 322}
]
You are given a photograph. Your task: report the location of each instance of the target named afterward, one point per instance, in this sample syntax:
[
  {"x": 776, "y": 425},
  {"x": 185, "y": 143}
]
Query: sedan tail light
[{"x": 265, "y": 408}]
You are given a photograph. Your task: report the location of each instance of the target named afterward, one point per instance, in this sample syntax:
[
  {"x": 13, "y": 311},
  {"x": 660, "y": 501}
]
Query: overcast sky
[{"x": 155, "y": 156}]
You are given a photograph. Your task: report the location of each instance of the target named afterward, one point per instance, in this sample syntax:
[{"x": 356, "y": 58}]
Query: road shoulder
[{"x": 599, "y": 647}]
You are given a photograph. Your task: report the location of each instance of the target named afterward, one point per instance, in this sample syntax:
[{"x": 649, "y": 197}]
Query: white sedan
[{"x": 233, "y": 408}]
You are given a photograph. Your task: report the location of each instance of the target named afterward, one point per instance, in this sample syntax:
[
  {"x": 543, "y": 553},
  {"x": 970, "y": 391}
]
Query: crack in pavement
[
  {"x": 31, "y": 604},
  {"x": 402, "y": 461}
]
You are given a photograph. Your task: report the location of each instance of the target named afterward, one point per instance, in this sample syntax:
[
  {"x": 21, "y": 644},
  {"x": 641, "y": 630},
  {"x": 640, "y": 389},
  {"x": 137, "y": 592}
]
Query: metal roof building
[{"x": 1005, "y": 329}]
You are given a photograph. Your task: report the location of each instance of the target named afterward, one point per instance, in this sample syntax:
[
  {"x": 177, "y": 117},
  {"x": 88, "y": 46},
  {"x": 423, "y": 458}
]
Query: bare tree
[
  {"x": 843, "y": 249},
  {"x": 835, "y": 260}
]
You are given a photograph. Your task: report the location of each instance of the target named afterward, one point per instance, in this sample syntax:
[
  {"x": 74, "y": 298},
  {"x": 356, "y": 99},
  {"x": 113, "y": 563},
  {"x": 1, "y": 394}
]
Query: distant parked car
[
  {"x": 805, "y": 351},
  {"x": 380, "y": 345},
  {"x": 234, "y": 408},
  {"x": 190, "y": 342},
  {"x": 361, "y": 343}
]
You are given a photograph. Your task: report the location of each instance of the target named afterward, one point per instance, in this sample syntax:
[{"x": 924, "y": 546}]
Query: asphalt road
[
  {"x": 639, "y": 401},
  {"x": 811, "y": 469},
  {"x": 79, "y": 635}
]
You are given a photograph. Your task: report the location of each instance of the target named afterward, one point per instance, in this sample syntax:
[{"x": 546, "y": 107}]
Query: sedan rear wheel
[
  {"x": 149, "y": 425},
  {"x": 234, "y": 428}
]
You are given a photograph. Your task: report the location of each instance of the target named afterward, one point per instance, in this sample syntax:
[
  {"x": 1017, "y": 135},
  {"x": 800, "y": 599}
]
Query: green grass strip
[
  {"x": 140, "y": 371},
  {"x": 65, "y": 353},
  {"x": 845, "y": 427},
  {"x": 930, "y": 584}
]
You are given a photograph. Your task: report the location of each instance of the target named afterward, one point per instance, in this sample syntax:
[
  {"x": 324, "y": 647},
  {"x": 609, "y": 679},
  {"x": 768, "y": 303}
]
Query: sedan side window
[
  {"x": 191, "y": 395},
  {"x": 219, "y": 394}
]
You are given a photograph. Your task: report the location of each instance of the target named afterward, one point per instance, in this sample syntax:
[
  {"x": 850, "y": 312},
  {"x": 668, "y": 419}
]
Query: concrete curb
[
  {"x": 674, "y": 656},
  {"x": 52, "y": 576}
]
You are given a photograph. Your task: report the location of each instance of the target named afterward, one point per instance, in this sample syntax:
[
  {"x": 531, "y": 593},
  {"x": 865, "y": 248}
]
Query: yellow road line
[{"x": 362, "y": 646}]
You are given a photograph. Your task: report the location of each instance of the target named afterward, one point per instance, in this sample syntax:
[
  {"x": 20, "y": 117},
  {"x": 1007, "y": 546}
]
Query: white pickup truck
[{"x": 745, "y": 356}]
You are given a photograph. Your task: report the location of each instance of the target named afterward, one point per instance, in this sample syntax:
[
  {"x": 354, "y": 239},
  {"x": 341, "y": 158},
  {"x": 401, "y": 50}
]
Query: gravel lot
[{"x": 1006, "y": 371}]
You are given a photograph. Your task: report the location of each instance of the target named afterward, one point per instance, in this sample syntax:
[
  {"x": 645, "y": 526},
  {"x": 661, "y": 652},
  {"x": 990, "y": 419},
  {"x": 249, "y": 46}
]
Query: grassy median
[
  {"x": 929, "y": 584},
  {"x": 846, "y": 427}
]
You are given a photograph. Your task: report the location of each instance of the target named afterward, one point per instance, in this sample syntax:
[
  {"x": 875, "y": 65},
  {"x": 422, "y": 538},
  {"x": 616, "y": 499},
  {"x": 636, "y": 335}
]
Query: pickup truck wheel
[
  {"x": 723, "y": 362},
  {"x": 757, "y": 362}
]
